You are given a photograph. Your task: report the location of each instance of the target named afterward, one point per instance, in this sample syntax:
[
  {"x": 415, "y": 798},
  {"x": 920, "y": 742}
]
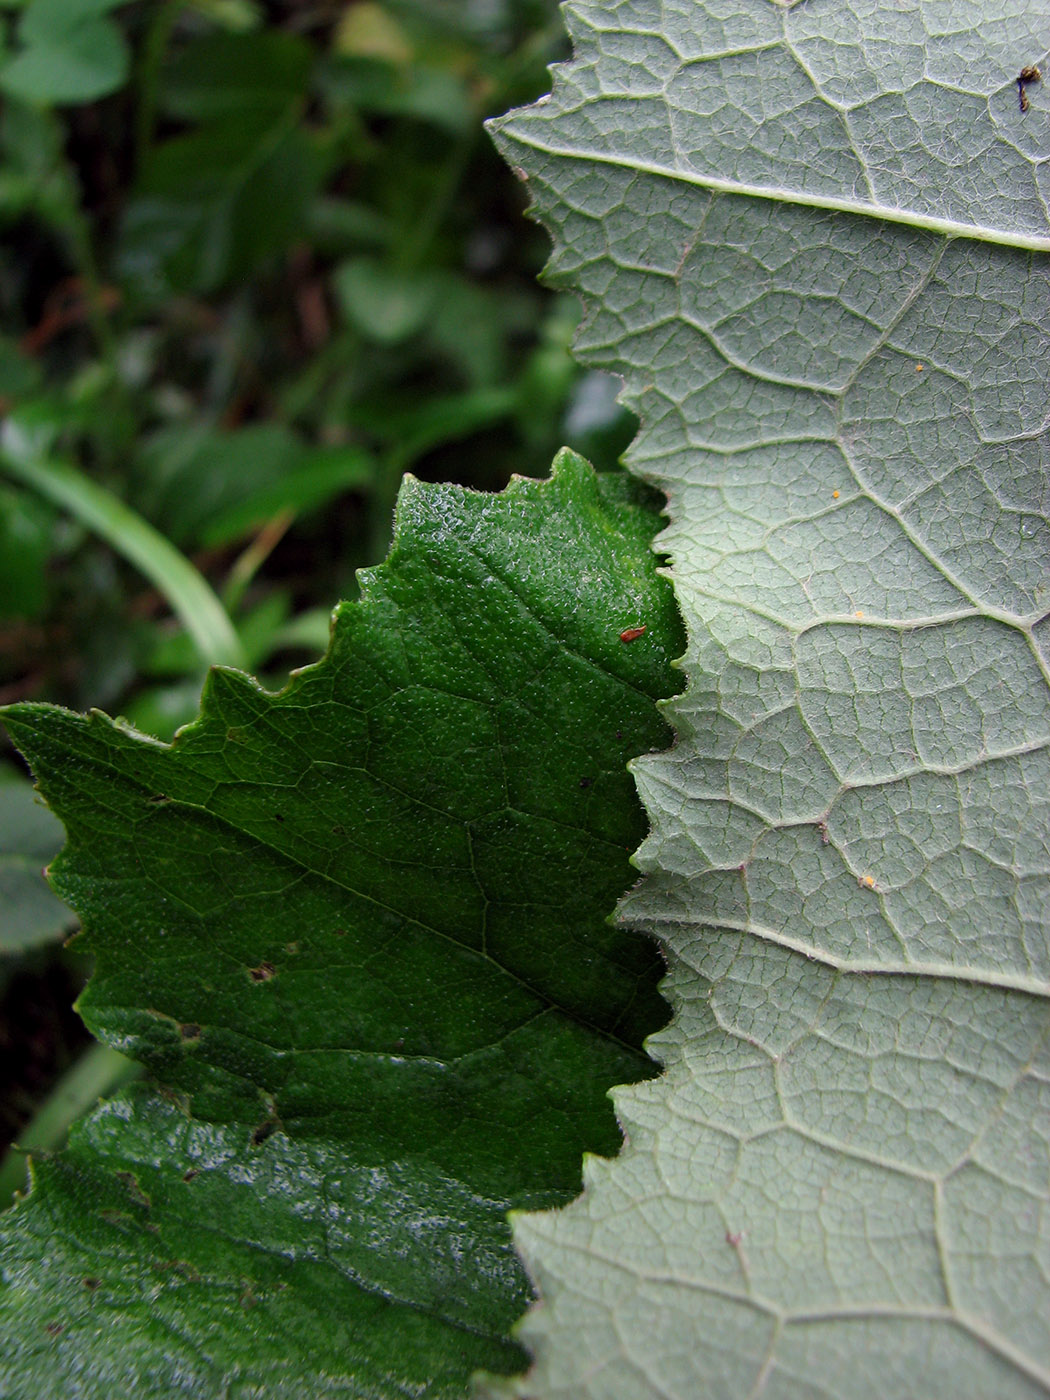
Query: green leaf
[
  {"x": 30, "y": 914},
  {"x": 209, "y": 487},
  {"x": 384, "y": 304},
  {"x": 215, "y": 202},
  {"x": 223, "y": 76},
  {"x": 71, "y": 53},
  {"x": 356, "y": 930},
  {"x": 26, "y": 526},
  {"x": 812, "y": 240}
]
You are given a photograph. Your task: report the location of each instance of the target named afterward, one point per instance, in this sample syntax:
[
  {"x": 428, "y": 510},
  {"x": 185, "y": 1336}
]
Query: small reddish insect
[{"x": 631, "y": 634}]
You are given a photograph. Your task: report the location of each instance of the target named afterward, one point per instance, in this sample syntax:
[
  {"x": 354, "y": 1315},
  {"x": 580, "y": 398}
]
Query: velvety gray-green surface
[
  {"x": 358, "y": 932},
  {"x": 813, "y": 239}
]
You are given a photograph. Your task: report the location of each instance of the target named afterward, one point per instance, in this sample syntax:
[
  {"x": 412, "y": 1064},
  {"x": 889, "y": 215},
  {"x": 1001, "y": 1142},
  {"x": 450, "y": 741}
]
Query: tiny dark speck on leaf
[
  {"x": 92, "y": 1283},
  {"x": 188, "y": 1176},
  {"x": 54, "y": 1329},
  {"x": 189, "y": 1030},
  {"x": 263, "y": 1131},
  {"x": 262, "y": 973},
  {"x": 586, "y": 782},
  {"x": 277, "y": 817}
]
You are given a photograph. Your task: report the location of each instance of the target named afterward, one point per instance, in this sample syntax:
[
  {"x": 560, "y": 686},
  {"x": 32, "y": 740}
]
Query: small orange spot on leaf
[{"x": 631, "y": 634}]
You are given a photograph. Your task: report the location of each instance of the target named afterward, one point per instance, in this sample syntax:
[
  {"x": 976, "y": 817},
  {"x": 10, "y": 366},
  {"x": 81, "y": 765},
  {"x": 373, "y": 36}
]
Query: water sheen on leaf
[
  {"x": 812, "y": 238},
  {"x": 357, "y": 931}
]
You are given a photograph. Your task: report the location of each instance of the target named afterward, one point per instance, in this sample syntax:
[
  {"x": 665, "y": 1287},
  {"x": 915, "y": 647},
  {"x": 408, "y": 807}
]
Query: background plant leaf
[
  {"x": 357, "y": 932},
  {"x": 70, "y": 52},
  {"x": 812, "y": 239},
  {"x": 29, "y": 836}
]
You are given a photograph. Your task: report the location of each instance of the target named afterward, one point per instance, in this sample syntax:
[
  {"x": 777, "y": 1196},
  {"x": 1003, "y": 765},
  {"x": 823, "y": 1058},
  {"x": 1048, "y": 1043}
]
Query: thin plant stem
[
  {"x": 187, "y": 591},
  {"x": 99, "y": 1072}
]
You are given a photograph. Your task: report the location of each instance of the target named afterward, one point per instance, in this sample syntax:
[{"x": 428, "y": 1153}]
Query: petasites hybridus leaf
[
  {"x": 812, "y": 238},
  {"x": 358, "y": 932}
]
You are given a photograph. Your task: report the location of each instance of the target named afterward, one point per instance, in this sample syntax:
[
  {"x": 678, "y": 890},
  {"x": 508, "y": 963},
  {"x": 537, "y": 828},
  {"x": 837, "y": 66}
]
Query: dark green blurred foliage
[{"x": 258, "y": 260}]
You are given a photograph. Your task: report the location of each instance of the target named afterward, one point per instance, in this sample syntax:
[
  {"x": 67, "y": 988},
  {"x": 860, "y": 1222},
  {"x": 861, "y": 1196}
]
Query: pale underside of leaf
[{"x": 840, "y": 1185}]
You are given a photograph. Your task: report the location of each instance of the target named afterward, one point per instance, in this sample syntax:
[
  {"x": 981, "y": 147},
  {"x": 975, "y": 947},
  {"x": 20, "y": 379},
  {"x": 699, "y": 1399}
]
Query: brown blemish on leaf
[
  {"x": 189, "y": 1174},
  {"x": 178, "y": 1266},
  {"x": 134, "y": 1190},
  {"x": 54, "y": 1329},
  {"x": 189, "y": 1030},
  {"x": 1029, "y": 74},
  {"x": 116, "y": 1217},
  {"x": 262, "y": 973},
  {"x": 91, "y": 1283}
]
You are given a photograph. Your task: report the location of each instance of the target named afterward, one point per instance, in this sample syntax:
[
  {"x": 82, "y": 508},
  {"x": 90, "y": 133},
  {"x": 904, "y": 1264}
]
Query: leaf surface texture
[
  {"x": 358, "y": 932},
  {"x": 812, "y": 240}
]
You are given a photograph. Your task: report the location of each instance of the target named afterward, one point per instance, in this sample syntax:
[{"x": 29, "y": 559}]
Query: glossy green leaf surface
[
  {"x": 357, "y": 930},
  {"x": 812, "y": 237}
]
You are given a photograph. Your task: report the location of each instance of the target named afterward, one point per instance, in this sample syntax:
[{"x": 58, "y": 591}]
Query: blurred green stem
[
  {"x": 413, "y": 249},
  {"x": 187, "y": 591},
  {"x": 154, "y": 47},
  {"x": 99, "y": 1072}
]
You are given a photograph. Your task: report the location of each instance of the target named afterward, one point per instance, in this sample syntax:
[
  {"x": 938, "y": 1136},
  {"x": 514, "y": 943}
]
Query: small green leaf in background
[
  {"x": 26, "y": 524},
  {"x": 71, "y": 52},
  {"x": 30, "y": 836},
  {"x": 357, "y": 931},
  {"x": 384, "y": 304},
  {"x": 209, "y": 487},
  {"x": 217, "y": 200},
  {"x": 812, "y": 239}
]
